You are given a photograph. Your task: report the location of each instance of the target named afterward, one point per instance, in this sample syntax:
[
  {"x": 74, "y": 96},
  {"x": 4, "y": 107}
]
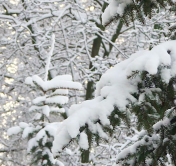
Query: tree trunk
[
  {"x": 95, "y": 50},
  {"x": 90, "y": 89},
  {"x": 89, "y": 94}
]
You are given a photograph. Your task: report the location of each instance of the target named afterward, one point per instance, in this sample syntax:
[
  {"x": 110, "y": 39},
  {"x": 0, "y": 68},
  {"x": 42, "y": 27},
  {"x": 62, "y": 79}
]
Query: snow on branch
[
  {"x": 148, "y": 141},
  {"x": 115, "y": 89},
  {"x": 59, "y": 82},
  {"x": 49, "y": 56},
  {"x": 115, "y": 7},
  {"x": 40, "y": 128},
  {"x": 60, "y": 85}
]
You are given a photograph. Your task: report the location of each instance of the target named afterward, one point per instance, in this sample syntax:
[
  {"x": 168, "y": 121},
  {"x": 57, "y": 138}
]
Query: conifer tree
[
  {"x": 39, "y": 131},
  {"x": 129, "y": 10},
  {"x": 155, "y": 114},
  {"x": 142, "y": 88}
]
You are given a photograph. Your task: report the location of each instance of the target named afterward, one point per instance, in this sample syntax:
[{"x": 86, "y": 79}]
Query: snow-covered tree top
[{"x": 116, "y": 89}]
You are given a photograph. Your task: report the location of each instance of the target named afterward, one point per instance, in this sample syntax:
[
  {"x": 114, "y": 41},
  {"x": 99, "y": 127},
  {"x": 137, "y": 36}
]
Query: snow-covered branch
[{"x": 115, "y": 89}]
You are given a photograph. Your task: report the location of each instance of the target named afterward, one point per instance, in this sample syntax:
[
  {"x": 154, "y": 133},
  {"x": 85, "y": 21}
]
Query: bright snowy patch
[
  {"x": 115, "y": 7},
  {"x": 14, "y": 130},
  {"x": 31, "y": 144},
  {"x": 83, "y": 141},
  {"x": 27, "y": 131},
  {"x": 115, "y": 89},
  {"x": 23, "y": 125},
  {"x": 58, "y": 82}
]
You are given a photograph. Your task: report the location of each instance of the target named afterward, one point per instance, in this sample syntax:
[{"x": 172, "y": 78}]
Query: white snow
[
  {"x": 31, "y": 143},
  {"x": 115, "y": 7},
  {"x": 57, "y": 100},
  {"x": 29, "y": 81},
  {"x": 83, "y": 141},
  {"x": 49, "y": 56},
  {"x": 60, "y": 92},
  {"x": 101, "y": 133},
  {"x": 148, "y": 92},
  {"x": 133, "y": 148},
  {"x": 69, "y": 151},
  {"x": 41, "y": 134},
  {"x": 152, "y": 141},
  {"x": 35, "y": 108},
  {"x": 114, "y": 89},
  {"x": 39, "y": 100},
  {"x": 166, "y": 75},
  {"x": 51, "y": 128},
  {"x": 37, "y": 116},
  {"x": 59, "y": 163},
  {"x": 46, "y": 110},
  {"x": 56, "y": 109},
  {"x": 44, "y": 161},
  {"x": 14, "y": 130},
  {"x": 47, "y": 151},
  {"x": 43, "y": 105},
  {"x": 58, "y": 82},
  {"x": 165, "y": 122},
  {"x": 27, "y": 131},
  {"x": 61, "y": 139},
  {"x": 23, "y": 125}
]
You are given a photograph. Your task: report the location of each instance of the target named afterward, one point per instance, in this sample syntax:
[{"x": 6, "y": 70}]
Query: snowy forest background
[{"x": 53, "y": 53}]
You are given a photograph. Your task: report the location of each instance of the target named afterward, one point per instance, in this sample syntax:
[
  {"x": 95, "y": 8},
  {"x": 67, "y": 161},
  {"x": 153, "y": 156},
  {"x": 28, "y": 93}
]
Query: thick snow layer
[
  {"x": 41, "y": 134},
  {"x": 61, "y": 139},
  {"x": 115, "y": 89},
  {"x": 27, "y": 131},
  {"x": 83, "y": 141},
  {"x": 51, "y": 128},
  {"x": 166, "y": 75},
  {"x": 58, "y": 82},
  {"x": 46, "y": 110},
  {"x": 23, "y": 125},
  {"x": 29, "y": 81},
  {"x": 14, "y": 130},
  {"x": 57, "y": 100},
  {"x": 32, "y": 143},
  {"x": 39, "y": 100},
  {"x": 115, "y": 7}
]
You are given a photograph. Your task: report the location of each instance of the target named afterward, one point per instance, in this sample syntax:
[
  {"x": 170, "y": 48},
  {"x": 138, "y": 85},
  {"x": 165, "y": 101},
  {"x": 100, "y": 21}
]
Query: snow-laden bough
[{"x": 115, "y": 90}]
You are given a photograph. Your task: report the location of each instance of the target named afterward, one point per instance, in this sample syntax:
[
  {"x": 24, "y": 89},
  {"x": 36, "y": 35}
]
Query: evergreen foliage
[
  {"x": 40, "y": 131},
  {"x": 152, "y": 89},
  {"x": 155, "y": 114},
  {"x": 138, "y": 93},
  {"x": 140, "y": 9}
]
